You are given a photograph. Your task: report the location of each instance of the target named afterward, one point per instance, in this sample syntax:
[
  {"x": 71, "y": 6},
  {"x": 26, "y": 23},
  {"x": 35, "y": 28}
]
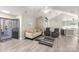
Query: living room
[
  {"x": 49, "y": 27},
  {"x": 38, "y": 19}
]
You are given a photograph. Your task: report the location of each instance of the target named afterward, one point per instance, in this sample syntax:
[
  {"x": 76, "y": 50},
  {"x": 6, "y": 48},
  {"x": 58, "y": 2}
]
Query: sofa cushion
[
  {"x": 32, "y": 35},
  {"x": 31, "y": 30}
]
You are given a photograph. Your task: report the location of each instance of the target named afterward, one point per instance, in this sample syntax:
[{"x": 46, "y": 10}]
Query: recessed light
[
  {"x": 47, "y": 11},
  {"x": 5, "y": 11}
]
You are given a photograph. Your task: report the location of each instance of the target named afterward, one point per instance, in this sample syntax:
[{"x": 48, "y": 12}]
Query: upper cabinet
[{"x": 70, "y": 22}]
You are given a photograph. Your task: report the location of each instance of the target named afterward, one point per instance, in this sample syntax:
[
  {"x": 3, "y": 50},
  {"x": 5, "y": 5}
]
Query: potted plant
[{"x": 46, "y": 20}]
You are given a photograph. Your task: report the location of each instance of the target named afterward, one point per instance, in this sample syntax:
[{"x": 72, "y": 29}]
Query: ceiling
[
  {"x": 17, "y": 10},
  {"x": 71, "y": 9}
]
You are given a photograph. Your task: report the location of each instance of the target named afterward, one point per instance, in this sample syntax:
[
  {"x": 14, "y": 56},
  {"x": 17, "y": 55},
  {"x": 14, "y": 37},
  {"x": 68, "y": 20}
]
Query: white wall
[
  {"x": 7, "y": 15},
  {"x": 27, "y": 22},
  {"x": 58, "y": 21},
  {"x": 20, "y": 24}
]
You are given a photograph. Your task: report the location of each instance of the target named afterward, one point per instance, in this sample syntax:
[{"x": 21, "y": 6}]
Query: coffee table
[{"x": 48, "y": 41}]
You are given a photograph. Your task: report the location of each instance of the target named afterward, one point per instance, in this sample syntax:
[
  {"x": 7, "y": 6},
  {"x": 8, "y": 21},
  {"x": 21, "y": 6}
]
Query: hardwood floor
[{"x": 64, "y": 44}]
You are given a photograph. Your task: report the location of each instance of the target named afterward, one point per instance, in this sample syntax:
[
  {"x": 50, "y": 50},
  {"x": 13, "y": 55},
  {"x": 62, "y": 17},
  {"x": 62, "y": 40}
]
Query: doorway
[{"x": 9, "y": 28}]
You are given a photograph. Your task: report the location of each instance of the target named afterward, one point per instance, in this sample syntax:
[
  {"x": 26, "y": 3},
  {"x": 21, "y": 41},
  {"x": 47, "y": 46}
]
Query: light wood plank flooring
[{"x": 64, "y": 44}]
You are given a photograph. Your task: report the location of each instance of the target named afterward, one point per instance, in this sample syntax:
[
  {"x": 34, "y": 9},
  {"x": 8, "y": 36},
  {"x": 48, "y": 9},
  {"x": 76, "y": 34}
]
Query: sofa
[{"x": 32, "y": 33}]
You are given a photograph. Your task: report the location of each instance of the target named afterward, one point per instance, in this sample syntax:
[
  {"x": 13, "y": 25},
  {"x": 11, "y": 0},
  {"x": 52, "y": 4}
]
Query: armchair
[
  {"x": 55, "y": 34},
  {"x": 47, "y": 32}
]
